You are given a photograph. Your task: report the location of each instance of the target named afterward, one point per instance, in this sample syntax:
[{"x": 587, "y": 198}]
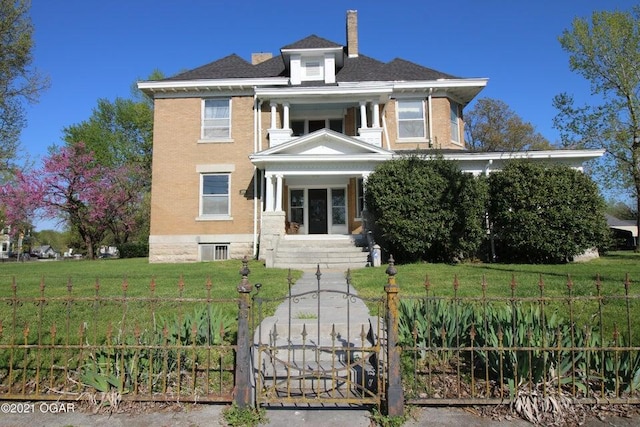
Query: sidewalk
[{"x": 202, "y": 415}]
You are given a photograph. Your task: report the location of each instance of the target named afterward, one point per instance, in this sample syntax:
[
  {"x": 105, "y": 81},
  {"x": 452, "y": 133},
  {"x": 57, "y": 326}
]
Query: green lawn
[
  {"x": 411, "y": 278},
  {"x": 138, "y": 275},
  {"x": 116, "y": 296},
  {"x": 616, "y": 311}
]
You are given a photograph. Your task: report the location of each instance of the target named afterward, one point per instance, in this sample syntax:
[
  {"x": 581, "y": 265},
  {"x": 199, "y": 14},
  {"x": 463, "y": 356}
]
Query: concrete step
[{"x": 329, "y": 252}]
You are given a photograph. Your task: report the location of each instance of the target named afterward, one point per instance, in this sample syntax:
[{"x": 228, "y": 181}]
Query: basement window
[{"x": 214, "y": 251}]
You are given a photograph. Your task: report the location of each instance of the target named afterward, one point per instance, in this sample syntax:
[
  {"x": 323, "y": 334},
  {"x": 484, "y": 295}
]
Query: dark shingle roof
[
  {"x": 400, "y": 69},
  {"x": 358, "y": 69},
  {"x": 229, "y": 67},
  {"x": 312, "y": 42}
]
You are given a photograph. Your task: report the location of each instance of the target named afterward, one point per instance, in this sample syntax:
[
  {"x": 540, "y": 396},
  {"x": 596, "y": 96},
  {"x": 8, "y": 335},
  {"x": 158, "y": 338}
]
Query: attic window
[{"x": 312, "y": 69}]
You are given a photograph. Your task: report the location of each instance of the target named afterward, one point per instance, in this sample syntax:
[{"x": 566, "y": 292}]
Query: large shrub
[
  {"x": 544, "y": 214},
  {"x": 133, "y": 250},
  {"x": 426, "y": 209}
]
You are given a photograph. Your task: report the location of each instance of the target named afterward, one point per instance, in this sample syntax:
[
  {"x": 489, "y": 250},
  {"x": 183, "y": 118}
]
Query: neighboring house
[
  {"x": 5, "y": 243},
  {"x": 625, "y": 232},
  {"x": 45, "y": 251},
  {"x": 247, "y": 154}
]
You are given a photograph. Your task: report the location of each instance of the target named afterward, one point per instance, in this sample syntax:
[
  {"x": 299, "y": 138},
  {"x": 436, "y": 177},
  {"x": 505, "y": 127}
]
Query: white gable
[{"x": 323, "y": 142}]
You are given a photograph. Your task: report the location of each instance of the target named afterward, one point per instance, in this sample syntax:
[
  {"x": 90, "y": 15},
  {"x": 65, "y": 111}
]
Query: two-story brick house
[{"x": 248, "y": 155}]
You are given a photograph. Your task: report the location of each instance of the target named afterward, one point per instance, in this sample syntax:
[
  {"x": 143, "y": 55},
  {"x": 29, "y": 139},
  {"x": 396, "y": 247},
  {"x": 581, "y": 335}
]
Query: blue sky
[{"x": 94, "y": 49}]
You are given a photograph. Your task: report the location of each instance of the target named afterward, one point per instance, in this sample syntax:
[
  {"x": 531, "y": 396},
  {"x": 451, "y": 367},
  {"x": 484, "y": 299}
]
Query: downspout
[
  {"x": 430, "y": 116},
  {"x": 256, "y": 104},
  {"x": 487, "y": 170},
  {"x": 384, "y": 126}
]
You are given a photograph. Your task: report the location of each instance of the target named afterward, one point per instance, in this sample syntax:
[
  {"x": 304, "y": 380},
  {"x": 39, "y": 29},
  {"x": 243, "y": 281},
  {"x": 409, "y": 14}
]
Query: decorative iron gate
[{"x": 321, "y": 346}]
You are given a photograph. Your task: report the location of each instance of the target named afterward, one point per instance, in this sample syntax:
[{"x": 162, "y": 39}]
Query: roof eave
[
  {"x": 542, "y": 154},
  {"x": 164, "y": 86}
]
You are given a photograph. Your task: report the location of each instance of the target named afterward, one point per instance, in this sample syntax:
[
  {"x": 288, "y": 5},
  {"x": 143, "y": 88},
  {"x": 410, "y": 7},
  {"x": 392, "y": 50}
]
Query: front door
[{"x": 318, "y": 211}]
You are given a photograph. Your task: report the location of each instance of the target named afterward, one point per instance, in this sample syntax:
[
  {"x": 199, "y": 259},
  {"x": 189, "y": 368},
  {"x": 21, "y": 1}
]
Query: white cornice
[
  {"x": 543, "y": 154},
  {"x": 313, "y": 91},
  {"x": 165, "y": 86},
  {"x": 441, "y": 83}
]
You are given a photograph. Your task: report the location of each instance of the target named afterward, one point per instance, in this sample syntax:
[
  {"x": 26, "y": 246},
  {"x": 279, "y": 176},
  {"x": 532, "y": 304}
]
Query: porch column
[
  {"x": 278, "y": 206},
  {"x": 365, "y": 177},
  {"x": 285, "y": 119},
  {"x": 376, "y": 115},
  {"x": 363, "y": 114},
  {"x": 269, "y": 196},
  {"x": 273, "y": 115}
]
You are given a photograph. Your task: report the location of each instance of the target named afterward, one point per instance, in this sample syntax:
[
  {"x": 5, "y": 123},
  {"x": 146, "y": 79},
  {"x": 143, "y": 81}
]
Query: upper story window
[
  {"x": 455, "y": 123},
  {"x": 312, "y": 69},
  {"x": 215, "y": 200},
  {"x": 216, "y": 119},
  {"x": 411, "y": 122},
  {"x": 304, "y": 126}
]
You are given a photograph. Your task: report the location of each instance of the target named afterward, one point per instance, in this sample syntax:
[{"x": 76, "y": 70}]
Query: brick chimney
[
  {"x": 352, "y": 33},
  {"x": 257, "y": 58}
]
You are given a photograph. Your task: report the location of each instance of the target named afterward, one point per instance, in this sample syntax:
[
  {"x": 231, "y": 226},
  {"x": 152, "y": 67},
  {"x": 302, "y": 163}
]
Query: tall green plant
[
  {"x": 426, "y": 209},
  {"x": 544, "y": 214},
  {"x": 518, "y": 343}
]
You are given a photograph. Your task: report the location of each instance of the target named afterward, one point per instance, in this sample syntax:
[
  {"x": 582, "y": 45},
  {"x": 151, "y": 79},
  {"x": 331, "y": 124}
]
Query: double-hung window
[
  {"x": 455, "y": 127},
  {"x": 216, "y": 119},
  {"x": 215, "y": 195},
  {"x": 411, "y": 118}
]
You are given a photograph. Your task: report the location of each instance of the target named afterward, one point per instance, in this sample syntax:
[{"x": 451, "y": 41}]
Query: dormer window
[{"x": 312, "y": 69}]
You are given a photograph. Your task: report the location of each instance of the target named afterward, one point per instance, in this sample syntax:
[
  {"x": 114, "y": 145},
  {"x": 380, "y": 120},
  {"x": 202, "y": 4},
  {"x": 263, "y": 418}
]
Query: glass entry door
[{"x": 318, "y": 211}]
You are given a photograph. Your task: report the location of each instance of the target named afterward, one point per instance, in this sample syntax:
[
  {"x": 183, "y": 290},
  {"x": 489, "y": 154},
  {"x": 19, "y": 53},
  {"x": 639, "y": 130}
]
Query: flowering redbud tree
[{"x": 73, "y": 187}]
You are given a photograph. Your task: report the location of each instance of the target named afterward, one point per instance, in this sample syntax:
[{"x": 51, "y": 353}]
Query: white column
[
  {"x": 365, "y": 177},
  {"x": 278, "y": 206},
  {"x": 376, "y": 115},
  {"x": 363, "y": 114},
  {"x": 273, "y": 115},
  {"x": 269, "y": 196},
  {"x": 285, "y": 120}
]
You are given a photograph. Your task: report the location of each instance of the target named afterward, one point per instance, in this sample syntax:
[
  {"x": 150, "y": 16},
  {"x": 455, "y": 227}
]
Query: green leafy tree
[
  {"x": 605, "y": 50},
  {"x": 492, "y": 126},
  {"x": 20, "y": 82},
  {"x": 120, "y": 134},
  {"x": 544, "y": 214},
  {"x": 426, "y": 209}
]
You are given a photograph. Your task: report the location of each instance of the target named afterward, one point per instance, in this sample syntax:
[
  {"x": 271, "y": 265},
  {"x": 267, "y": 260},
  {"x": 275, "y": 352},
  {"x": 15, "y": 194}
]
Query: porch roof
[{"x": 322, "y": 150}]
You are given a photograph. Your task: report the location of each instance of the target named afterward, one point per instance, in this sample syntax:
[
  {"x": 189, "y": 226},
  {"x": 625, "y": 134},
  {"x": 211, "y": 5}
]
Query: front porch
[{"x": 313, "y": 186}]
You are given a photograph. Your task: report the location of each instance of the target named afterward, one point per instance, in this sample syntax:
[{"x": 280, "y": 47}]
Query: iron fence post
[
  {"x": 243, "y": 356},
  {"x": 395, "y": 395}
]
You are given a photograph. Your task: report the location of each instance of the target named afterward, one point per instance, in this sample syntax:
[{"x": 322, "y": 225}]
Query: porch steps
[{"x": 307, "y": 252}]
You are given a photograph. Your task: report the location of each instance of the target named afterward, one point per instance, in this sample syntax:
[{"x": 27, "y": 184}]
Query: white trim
[
  {"x": 209, "y": 84},
  {"x": 216, "y": 168},
  {"x": 203, "y": 104},
  {"x": 542, "y": 154},
  {"x": 214, "y": 217}
]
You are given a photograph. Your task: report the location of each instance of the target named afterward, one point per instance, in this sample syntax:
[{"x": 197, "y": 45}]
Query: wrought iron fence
[
  {"x": 435, "y": 349},
  {"x": 145, "y": 348},
  {"x": 489, "y": 349}
]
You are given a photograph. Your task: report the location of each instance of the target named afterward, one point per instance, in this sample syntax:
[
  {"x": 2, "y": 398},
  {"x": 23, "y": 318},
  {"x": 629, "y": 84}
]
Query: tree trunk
[{"x": 637, "y": 237}]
